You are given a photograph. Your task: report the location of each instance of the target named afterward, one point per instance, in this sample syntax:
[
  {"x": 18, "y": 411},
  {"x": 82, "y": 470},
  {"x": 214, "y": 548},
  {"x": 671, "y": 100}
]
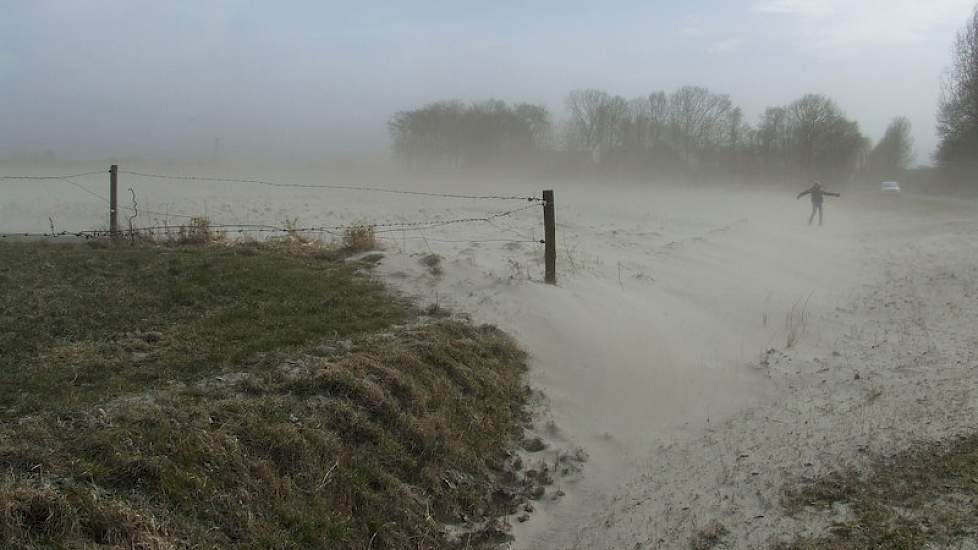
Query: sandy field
[{"x": 704, "y": 347}]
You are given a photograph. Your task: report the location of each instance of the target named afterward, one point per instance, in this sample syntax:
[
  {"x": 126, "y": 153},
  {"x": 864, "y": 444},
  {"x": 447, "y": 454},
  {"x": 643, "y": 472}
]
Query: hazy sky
[{"x": 115, "y": 77}]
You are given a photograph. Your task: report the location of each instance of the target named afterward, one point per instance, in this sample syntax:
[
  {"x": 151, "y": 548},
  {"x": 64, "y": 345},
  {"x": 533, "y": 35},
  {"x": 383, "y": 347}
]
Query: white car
[{"x": 890, "y": 187}]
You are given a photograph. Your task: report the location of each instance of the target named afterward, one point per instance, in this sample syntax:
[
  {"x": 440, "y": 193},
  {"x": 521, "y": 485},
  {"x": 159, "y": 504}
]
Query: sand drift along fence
[{"x": 129, "y": 225}]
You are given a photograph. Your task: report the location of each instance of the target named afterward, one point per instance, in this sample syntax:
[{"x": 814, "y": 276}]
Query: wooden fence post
[
  {"x": 113, "y": 200},
  {"x": 550, "y": 237}
]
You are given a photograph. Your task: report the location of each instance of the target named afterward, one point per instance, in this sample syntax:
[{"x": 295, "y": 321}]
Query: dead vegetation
[
  {"x": 796, "y": 322},
  {"x": 356, "y": 238},
  {"x": 198, "y": 230},
  {"x": 433, "y": 263},
  {"x": 709, "y": 537},
  {"x": 922, "y": 498},
  {"x": 160, "y": 397},
  {"x": 359, "y": 237}
]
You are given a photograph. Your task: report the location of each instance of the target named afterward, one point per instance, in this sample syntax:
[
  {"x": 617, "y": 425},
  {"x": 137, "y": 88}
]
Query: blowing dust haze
[
  {"x": 101, "y": 79},
  {"x": 278, "y": 275}
]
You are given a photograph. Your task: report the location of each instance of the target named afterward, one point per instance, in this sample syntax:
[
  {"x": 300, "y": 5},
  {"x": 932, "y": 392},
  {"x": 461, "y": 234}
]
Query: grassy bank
[
  {"x": 922, "y": 498},
  {"x": 239, "y": 396}
]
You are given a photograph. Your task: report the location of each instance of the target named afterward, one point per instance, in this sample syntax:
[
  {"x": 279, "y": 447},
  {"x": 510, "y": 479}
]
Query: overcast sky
[{"x": 88, "y": 78}]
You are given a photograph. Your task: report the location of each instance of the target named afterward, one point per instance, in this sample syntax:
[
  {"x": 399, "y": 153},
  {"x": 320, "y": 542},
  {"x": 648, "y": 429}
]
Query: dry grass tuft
[
  {"x": 198, "y": 231},
  {"x": 292, "y": 231},
  {"x": 921, "y": 498},
  {"x": 359, "y": 237},
  {"x": 796, "y": 322},
  {"x": 709, "y": 537},
  {"x": 433, "y": 263}
]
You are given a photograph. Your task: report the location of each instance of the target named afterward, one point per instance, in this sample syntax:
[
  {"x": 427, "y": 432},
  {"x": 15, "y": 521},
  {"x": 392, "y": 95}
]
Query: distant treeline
[
  {"x": 957, "y": 119},
  {"x": 691, "y": 133}
]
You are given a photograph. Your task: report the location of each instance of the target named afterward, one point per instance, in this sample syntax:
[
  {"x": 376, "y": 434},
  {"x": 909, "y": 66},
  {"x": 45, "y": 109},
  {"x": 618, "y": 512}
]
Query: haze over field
[
  {"x": 94, "y": 79},
  {"x": 704, "y": 348}
]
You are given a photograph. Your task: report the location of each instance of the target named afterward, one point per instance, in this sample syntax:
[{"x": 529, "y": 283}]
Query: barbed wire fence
[{"x": 493, "y": 219}]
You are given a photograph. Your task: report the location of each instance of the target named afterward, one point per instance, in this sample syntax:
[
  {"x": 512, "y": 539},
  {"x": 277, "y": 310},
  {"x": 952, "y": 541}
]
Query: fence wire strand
[
  {"x": 328, "y": 186},
  {"x": 334, "y": 230},
  {"x": 28, "y": 178},
  {"x": 85, "y": 189}
]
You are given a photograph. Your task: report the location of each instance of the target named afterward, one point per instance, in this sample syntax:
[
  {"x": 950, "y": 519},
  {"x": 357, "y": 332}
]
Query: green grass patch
[
  {"x": 239, "y": 397},
  {"x": 79, "y": 324},
  {"x": 922, "y": 498}
]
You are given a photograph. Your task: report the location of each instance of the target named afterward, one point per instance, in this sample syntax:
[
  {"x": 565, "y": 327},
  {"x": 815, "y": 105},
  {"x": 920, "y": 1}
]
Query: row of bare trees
[
  {"x": 453, "y": 134},
  {"x": 691, "y": 132},
  {"x": 695, "y": 131}
]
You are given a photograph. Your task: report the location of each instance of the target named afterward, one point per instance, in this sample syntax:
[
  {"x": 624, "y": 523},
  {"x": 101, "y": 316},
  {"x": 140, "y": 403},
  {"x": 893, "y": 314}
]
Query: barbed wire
[
  {"x": 83, "y": 188},
  {"x": 226, "y": 229},
  {"x": 333, "y": 187},
  {"x": 54, "y": 177},
  {"x": 166, "y": 214},
  {"x": 462, "y": 241},
  {"x": 389, "y": 227},
  {"x": 81, "y": 234},
  {"x": 335, "y": 230},
  {"x": 278, "y": 184},
  {"x": 331, "y": 229},
  {"x": 386, "y": 227},
  {"x": 507, "y": 229},
  {"x": 99, "y": 233},
  {"x": 66, "y": 179}
]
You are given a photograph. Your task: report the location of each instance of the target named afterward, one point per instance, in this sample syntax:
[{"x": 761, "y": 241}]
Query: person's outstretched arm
[
  {"x": 805, "y": 192},
  {"x": 831, "y": 194}
]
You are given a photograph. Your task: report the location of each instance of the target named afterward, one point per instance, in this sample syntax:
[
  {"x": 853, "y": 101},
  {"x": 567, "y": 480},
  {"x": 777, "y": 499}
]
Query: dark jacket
[{"x": 817, "y": 193}]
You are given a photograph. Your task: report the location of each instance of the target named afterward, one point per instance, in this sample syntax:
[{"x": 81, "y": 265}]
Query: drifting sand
[
  {"x": 702, "y": 346},
  {"x": 668, "y": 351}
]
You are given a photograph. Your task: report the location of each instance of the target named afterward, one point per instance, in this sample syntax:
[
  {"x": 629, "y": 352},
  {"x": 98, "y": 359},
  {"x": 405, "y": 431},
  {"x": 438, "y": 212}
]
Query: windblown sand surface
[
  {"x": 704, "y": 347},
  {"x": 708, "y": 348}
]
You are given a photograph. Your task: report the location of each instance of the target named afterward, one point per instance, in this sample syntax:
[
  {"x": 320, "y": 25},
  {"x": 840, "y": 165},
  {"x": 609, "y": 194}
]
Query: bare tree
[
  {"x": 773, "y": 140},
  {"x": 585, "y": 116},
  {"x": 957, "y": 124},
  {"x": 596, "y": 121},
  {"x": 735, "y": 137},
  {"x": 635, "y": 132},
  {"x": 658, "y": 118},
  {"x": 696, "y": 119},
  {"x": 823, "y": 142},
  {"x": 891, "y": 157},
  {"x": 809, "y": 118}
]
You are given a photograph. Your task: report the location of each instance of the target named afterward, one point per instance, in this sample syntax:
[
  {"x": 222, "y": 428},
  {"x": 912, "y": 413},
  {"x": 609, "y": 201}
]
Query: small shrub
[
  {"x": 359, "y": 237},
  {"x": 433, "y": 263},
  {"x": 292, "y": 231},
  {"x": 198, "y": 231}
]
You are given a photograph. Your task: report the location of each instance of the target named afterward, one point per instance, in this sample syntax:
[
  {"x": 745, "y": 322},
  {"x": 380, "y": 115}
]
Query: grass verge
[
  {"x": 922, "y": 498},
  {"x": 240, "y": 396}
]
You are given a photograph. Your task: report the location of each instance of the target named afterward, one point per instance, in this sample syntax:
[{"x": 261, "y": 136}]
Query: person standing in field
[{"x": 817, "y": 194}]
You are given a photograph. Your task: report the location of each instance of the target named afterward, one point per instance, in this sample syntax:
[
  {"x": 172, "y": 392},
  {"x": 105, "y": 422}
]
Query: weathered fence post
[
  {"x": 550, "y": 237},
  {"x": 113, "y": 200}
]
